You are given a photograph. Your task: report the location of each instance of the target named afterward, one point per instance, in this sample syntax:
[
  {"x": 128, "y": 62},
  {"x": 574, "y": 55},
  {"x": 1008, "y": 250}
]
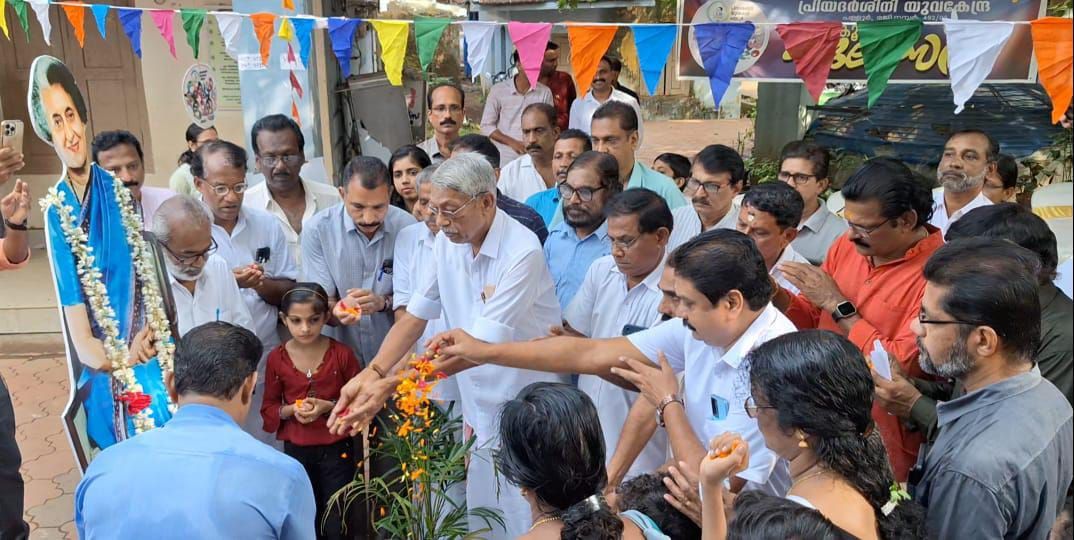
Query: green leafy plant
[{"x": 1049, "y": 165}]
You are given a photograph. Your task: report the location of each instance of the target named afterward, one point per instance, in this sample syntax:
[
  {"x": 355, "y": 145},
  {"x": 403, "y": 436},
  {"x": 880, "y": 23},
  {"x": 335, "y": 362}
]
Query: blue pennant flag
[
  {"x": 341, "y": 32},
  {"x": 303, "y": 30},
  {"x": 131, "y": 19},
  {"x": 653, "y": 43},
  {"x": 721, "y": 45},
  {"x": 100, "y": 14}
]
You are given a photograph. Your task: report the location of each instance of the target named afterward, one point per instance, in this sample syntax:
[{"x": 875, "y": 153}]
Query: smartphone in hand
[{"x": 11, "y": 134}]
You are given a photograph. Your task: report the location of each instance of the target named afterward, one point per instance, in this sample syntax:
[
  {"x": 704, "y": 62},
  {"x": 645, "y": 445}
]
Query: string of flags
[{"x": 973, "y": 46}]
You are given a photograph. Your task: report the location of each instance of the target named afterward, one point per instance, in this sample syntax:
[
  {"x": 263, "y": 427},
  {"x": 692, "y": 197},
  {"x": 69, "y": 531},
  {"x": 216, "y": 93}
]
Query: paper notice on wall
[
  {"x": 250, "y": 62},
  {"x": 229, "y": 94}
]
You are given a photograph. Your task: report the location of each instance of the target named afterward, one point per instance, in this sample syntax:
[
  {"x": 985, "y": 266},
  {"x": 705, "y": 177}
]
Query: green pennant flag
[
  {"x": 427, "y": 32},
  {"x": 883, "y": 45},
  {"x": 192, "y": 21},
  {"x": 24, "y": 16}
]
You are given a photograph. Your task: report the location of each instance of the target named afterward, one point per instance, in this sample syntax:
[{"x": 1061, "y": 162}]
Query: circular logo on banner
[
  {"x": 199, "y": 95},
  {"x": 716, "y": 11}
]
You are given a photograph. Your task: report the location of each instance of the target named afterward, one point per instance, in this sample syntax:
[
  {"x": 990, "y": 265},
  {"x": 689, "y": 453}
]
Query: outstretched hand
[{"x": 359, "y": 402}]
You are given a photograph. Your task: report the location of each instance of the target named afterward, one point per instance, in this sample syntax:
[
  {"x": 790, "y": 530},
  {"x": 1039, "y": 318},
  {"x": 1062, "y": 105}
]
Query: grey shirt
[
  {"x": 1002, "y": 462},
  {"x": 339, "y": 257},
  {"x": 818, "y": 233}
]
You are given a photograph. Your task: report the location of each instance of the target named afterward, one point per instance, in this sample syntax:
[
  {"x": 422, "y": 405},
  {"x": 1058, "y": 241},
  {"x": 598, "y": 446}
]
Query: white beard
[{"x": 182, "y": 274}]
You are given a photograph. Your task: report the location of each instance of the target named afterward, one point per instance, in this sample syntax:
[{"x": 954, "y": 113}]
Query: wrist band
[
  {"x": 16, "y": 226},
  {"x": 377, "y": 370}
]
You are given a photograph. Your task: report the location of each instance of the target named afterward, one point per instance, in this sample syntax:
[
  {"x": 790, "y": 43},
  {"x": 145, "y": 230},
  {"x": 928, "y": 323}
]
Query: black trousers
[
  {"x": 12, "y": 527},
  {"x": 329, "y": 467}
]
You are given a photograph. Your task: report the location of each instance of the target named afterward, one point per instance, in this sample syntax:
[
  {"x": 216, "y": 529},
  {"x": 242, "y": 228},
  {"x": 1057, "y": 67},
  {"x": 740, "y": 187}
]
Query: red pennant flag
[
  {"x": 294, "y": 113},
  {"x": 76, "y": 15},
  {"x": 295, "y": 85},
  {"x": 588, "y": 45},
  {"x": 812, "y": 47},
  {"x": 264, "y": 24},
  {"x": 291, "y": 54}
]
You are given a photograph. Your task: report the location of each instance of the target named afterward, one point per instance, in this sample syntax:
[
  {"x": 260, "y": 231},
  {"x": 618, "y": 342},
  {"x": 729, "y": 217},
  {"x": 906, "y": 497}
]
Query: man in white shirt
[
  {"x": 769, "y": 215},
  {"x": 804, "y": 166},
  {"x": 120, "y": 153},
  {"x": 718, "y": 175},
  {"x": 490, "y": 279},
  {"x": 600, "y": 92},
  {"x": 722, "y": 299},
  {"x": 501, "y": 120},
  {"x": 278, "y": 144},
  {"x": 532, "y": 172},
  {"x": 203, "y": 287},
  {"x": 619, "y": 297},
  {"x": 447, "y": 104},
  {"x": 968, "y": 156}
]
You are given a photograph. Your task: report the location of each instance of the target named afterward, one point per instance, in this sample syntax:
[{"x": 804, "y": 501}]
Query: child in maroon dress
[{"x": 303, "y": 378}]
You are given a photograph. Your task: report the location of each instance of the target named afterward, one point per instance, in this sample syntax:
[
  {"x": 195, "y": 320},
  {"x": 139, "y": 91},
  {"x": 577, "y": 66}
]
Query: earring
[{"x": 803, "y": 444}]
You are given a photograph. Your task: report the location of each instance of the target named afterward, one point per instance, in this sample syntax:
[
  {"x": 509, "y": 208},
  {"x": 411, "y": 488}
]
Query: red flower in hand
[{"x": 136, "y": 401}]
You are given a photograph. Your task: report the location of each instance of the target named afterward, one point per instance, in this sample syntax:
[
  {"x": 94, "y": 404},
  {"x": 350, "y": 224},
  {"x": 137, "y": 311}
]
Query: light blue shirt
[
  {"x": 545, "y": 203},
  {"x": 569, "y": 257},
  {"x": 645, "y": 177},
  {"x": 198, "y": 476}
]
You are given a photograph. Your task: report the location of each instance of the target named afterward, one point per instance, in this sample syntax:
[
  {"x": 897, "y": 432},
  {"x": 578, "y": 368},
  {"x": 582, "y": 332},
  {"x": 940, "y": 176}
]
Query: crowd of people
[{"x": 640, "y": 351}]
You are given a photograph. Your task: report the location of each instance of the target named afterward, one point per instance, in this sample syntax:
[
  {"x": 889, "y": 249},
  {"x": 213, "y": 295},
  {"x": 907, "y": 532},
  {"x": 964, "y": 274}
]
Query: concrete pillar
[{"x": 781, "y": 117}]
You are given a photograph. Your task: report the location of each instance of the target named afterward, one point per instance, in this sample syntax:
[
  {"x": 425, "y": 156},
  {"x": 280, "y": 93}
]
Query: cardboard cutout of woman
[{"x": 114, "y": 310}]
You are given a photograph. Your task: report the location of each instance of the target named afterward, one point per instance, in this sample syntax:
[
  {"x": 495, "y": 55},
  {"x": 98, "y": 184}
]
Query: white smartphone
[{"x": 11, "y": 135}]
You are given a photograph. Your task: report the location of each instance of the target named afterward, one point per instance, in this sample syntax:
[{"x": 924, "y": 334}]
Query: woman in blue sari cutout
[{"x": 58, "y": 115}]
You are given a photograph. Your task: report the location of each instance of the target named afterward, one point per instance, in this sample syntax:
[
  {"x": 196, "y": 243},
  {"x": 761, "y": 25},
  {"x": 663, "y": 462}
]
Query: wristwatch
[
  {"x": 16, "y": 226},
  {"x": 844, "y": 310},
  {"x": 668, "y": 400}
]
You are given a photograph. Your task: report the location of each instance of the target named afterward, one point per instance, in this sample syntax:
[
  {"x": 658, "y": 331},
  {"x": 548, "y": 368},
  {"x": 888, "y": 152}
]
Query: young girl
[{"x": 303, "y": 378}]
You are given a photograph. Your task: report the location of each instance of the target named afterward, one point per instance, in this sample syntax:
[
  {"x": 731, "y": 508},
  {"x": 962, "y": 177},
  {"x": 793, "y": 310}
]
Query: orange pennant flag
[
  {"x": 294, "y": 113},
  {"x": 289, "y": 4},
  {"x": 588, "y": 44},
  {"x": 1053, "y": 44},
  {"x": 76, "y": 15},
  {"x": 264, "y": 26}
]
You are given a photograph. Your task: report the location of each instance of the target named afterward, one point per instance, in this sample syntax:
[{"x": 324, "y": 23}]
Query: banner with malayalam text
[{"x": 765, "y": 57}]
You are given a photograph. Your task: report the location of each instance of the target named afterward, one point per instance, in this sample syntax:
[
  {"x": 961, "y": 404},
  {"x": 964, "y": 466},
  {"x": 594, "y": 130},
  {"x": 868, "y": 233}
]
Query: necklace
[
  {"x": 807, "y": 477},
  {"x": 542, "y": 521}
]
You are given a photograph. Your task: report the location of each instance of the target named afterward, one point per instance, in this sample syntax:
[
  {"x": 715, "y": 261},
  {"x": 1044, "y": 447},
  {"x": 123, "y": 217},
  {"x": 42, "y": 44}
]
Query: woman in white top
[
  {"x": 182, "y": 181},
  {"x": 812, "y": 396}
]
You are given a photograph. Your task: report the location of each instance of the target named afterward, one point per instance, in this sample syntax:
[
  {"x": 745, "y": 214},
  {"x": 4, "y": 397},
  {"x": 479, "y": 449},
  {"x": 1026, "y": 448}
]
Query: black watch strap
[{"x": 16, "y": 226}]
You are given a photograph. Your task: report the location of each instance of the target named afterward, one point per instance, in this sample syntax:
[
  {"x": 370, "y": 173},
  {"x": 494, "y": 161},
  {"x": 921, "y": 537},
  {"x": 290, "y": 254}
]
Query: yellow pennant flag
[
  {"x": 287, "y": 30},
  {"x": 3, "y": 19},
  {"x": 392, "y": 36}
]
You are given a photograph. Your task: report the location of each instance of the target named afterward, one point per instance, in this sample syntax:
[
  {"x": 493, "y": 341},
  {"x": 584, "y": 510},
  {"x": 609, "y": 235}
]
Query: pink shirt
[
  {"x": 152, "y": 198},
  {"x": 503, "y": 112}
]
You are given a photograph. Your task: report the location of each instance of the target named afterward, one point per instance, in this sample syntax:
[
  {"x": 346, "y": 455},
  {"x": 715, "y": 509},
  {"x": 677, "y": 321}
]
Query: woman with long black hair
[{"x": 405, "y": 164}]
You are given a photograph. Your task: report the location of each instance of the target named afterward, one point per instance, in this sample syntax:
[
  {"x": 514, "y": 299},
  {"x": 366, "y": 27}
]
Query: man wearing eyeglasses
[
  {"x": 278, "y": 145},
  {"x": 203, "y": 286},
  {"x": 804, "y": 166},
  {"x": 582, "y": 236},
  {"x": 869, "y": 287},
  {"x": 447, "y": 104},
  {"x": 717, "y": 176}
]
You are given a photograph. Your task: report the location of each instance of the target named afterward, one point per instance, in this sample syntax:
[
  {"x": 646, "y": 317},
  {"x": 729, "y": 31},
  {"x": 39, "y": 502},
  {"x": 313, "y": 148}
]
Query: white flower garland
[{"x": 96, "y": 293}]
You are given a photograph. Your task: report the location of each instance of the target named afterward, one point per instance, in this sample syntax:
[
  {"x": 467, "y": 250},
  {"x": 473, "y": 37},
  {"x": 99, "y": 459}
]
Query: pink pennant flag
[
  {"x": 165, "y": 21},
  {"x": 531, "y": 40}
]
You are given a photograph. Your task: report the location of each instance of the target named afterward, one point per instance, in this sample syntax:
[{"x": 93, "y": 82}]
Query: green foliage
[
  {"x": 761, "y": 170},
  {"x": 1048, "y": 165}
]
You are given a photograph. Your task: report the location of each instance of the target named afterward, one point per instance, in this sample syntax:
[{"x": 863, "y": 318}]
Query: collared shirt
[
  {"x": 432, "y": 148},
  {"x": 788, "y": 255},
  {"x": 520, "y": 179},
  {"x": 942, "y": 220},
  {"x": 257, "y": 230},
  {"x": 503, "y": 112},
  {"x": 1001, "y": 463},
  {"x": 152, "y": 198},
  {"x": 569, "y": 257},
  {"x": 319, "y": 196},
  {"x": 688, "y": 224},
  {"x": 584, "y": 107},
  {"x": 545, "y": 203},
  {"x": 522, "y": 214},
  {"x": 888, "y": 298},
  {"x": 603, "y": 308},
  {"x": 643, "y": 176},
  {"x": 1064, "y": 277},
  {"x": 714, "y": 373},
  {"x": 198, "y": 476},
  {"x": 817, "y": 234},
  {"x": 182, "y": 181},
  {"x": 563, "y": 96},
  {"x": 216, "y": 298},
  {"x": 502, "y": 294},
  {"x": 341, "y": 258}
]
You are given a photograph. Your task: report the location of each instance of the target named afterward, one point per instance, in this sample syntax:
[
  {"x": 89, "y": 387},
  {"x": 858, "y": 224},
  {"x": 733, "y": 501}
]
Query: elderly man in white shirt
[
  {"x": 718, "y": 175},
  {"x": 722, "y": 299},
  {"x": 489, "y": 278},
  {"x": 968, "y": 156},
  {"x": 601, "y": 91},
  {"x": 532, "y": 172},
  {"x": 769, "y": 215},
  {"x": 619, "y": 297},
  {"x": 203, "y": 287}
]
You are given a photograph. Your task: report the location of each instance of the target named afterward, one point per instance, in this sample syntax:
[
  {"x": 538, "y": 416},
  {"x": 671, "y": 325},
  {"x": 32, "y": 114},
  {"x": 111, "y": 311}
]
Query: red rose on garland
[{"x": 136, "y": 401}]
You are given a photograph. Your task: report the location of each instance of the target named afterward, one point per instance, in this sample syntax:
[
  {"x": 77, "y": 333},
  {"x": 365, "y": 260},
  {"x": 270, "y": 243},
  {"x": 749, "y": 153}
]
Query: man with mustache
[
  {"x": 446, "y": 102},
  {"x": 501, "y": 120},
  {"x": 569, "y": 145},
  {"x": 533, "y": 171},
  {"x": 560, "y": 83},
  {"x": 718, "y": 175},
  {"x": 1001, "y": 463},
  {"x": 769, "y": 215},
  {"x": 969, "y": 156},
  {"x": 870, "y": 285},
  {"x": 349, "y": 250},
  {"x": 601, "y": 91},
  {"x": 203, "y": 286},
  {"x": 121, "y": 153},
  {"x": 279, "y": 147}
]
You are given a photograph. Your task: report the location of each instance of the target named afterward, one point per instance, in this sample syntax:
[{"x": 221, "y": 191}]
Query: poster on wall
[
  {"x": 229, "y": 94},
  {"x": 766, "y": 59},
  {"x": 199, "y": 95}
]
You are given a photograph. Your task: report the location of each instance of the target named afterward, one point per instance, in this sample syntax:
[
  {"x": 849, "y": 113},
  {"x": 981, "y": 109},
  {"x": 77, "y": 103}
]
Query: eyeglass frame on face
[
  {"x": 712, "y": 188},
  {"x": 616, "y": 243},
  {"x": 222, "y": 191},
  {"x": 921, "y": 319},
  {"x": 441, "y": 109},
  {"x": 289, "y": 160},
  {"x": 752, "y": 408},
  {"x": 452, "y": 215},
  {"x": 581, "y": 192},
  {"x": 867, "y": 231},
  {"x": 795, "y": 178},
  {"x": 187, "y": 259}
]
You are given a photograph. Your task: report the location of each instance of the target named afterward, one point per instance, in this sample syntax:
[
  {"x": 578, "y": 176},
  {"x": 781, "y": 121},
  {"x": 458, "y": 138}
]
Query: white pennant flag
[
  {"x": 41, "y": 9},
  {"x": 972, "y": 50},
  {"x": 229, "y": 29},
  {"x": 478, "y": 44}
]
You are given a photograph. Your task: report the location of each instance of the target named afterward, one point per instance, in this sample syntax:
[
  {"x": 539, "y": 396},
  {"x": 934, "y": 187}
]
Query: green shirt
[{"x": 644, "y": 177}]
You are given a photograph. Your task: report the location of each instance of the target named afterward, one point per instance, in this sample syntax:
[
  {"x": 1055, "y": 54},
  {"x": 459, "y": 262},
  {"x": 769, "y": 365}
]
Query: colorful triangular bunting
[
  {"x": 264, "y": 27},
  {"x": 131, "y": 20},
  {"x": 883, "y": 45},
  {"x": 392, "y": 38},
  {"x": 531, "y": 40},
  {"x": 76, "y": 15},
  {"x": 287, "y": 30},
  {"x": 303, "y": 30},
  {"x": 721, "y": 45},
  {"x": 341, "y": 33},
  {"x": 193, "y": 19},
  {"x": 972, "y": 49},
  {"x": 100, "y": 15},
  {"x": 164, "y": 20},
  {"x": 653, "y": 43},
  {"x": 478, "y": 36},
  {"x": 812, "y": 47},
  {"x": 1052, "y": 45},
  {"x": 229, "y": 24},
  {"x": 41, "y": 10},
  {"x": 427, "y": 33},
  {"x": 588, "y": 44},
  {"x": 3, "y": 18},
  {"x": 23, "y": 15}
]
